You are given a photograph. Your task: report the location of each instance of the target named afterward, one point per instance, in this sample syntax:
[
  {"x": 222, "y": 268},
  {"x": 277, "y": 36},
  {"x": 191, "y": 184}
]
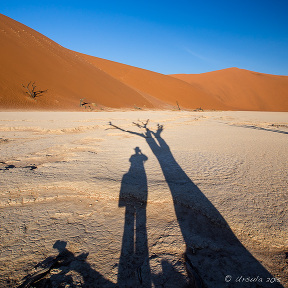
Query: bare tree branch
[{"x": 31, "y": 90}]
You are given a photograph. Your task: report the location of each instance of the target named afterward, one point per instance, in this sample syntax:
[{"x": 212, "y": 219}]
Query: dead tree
[
  {"x": 84, "y": 104},
  {"x": 31, "y": 90}
]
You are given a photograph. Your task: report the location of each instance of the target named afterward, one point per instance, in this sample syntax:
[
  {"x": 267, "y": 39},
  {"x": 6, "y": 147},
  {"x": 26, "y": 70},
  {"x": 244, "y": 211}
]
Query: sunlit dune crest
[
  {"x": 243, "y": 89},
  {"x": 159, "y": 87}
]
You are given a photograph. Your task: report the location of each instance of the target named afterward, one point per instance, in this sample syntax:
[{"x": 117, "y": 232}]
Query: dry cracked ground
[{"x": 105, "y": 199}]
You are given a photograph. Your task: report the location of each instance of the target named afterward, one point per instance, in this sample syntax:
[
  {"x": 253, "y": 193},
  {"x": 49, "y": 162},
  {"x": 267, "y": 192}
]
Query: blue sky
[{"x": 168, "y": 37}]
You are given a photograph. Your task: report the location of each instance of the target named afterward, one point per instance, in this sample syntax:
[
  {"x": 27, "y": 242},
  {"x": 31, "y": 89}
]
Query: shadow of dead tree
[{"x": 214, "y": 257}]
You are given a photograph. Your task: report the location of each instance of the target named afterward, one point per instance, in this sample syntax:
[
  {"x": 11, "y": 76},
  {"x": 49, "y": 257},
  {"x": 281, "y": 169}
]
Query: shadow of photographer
[
  {"x": 56, "y": 271},
  {"x": 134, "y": 266}
]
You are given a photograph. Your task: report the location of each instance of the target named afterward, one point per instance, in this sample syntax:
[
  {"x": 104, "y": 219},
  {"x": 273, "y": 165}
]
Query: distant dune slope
[
  {"x": 27, "y": 55},
  {"x": 153, "y": 85},
  {"x": 243, "y": 89}
]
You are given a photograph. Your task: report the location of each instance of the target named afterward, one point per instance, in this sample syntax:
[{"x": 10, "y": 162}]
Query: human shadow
[
  {"x": 134, "y": 269},
  {"x": 57, "y": 271},
  {"x": 214, "y": 257}
]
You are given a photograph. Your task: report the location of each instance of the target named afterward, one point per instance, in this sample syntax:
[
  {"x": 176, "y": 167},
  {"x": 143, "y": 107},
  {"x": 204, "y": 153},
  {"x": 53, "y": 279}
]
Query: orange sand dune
[
  {"x": 27, "y": 55},
  {"x": 243, "y": 89},
  {"x": 156, "y": 87}
]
